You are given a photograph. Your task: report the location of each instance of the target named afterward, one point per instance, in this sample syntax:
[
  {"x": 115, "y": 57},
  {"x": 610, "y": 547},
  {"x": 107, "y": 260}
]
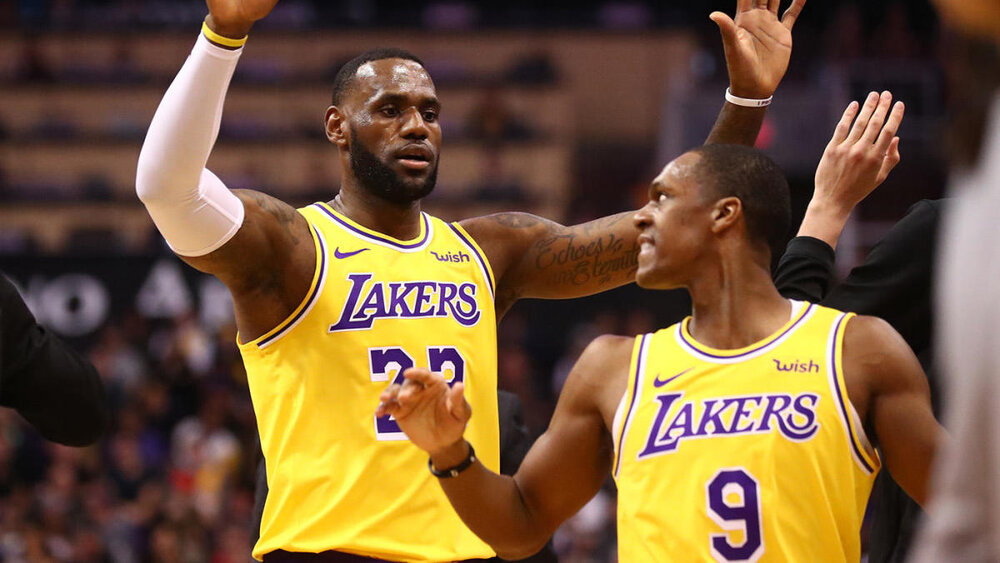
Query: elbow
[
  {"x": 150, "y": 179},
  {"x": 157, "y": 181}
]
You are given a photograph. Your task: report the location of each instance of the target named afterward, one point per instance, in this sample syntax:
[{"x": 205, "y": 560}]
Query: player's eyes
[
  {"x": 390, "y": 111},
  {"x": 430, "y": 116}
]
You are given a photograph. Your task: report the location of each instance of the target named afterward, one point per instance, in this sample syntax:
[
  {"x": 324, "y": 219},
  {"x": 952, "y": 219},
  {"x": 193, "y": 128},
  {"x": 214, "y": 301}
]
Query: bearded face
[{"x": 388, "y": 179}]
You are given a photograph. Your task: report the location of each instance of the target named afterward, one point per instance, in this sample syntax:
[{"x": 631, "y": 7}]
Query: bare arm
[
  {"x": 758, "y": 46},
  {"x": 888, "y": 387},
  {"x": 250, "y": 241},
  {"x": 534, "y": 257},
  {"x": 562, "y": 471}
]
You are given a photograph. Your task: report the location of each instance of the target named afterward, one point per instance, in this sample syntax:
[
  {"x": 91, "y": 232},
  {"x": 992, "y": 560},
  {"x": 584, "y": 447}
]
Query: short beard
[{"x": 378, "y": 179}]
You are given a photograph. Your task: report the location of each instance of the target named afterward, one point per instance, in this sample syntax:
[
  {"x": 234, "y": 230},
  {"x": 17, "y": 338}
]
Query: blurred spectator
[
  {"x": 492, "y": 121},
  {"x": 34, "y": 66},
  {"x": 205, "y": 455},
  {"x": 894, "y": 39}
]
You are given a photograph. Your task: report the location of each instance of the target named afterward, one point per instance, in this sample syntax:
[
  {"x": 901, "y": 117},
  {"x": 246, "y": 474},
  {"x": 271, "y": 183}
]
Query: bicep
[
  {"x": 899, "y": 408},
  {"x": 537, "y": 258}
]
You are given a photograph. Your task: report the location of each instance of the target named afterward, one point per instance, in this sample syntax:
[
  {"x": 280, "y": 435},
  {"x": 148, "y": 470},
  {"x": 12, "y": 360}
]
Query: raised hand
[
  {"x": 758, "y": 45},
  {"x": 431, "y": 414},
  {"x": 857, "y": 160},
  {"x": 233, "y": 18}
]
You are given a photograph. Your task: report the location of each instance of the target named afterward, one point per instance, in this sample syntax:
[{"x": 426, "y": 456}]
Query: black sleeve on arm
[
  {"x": 895, "y": 281},
  {"x": 805, "y": 270},
  {"x": 53, "y": 387}
]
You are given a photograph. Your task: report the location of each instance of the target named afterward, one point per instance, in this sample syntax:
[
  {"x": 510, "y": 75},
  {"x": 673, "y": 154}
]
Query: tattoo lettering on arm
[
  {"x": 537, "y": 258},
  {"x": 565, "y": 262},
  {"x": 578, "y": 260}
]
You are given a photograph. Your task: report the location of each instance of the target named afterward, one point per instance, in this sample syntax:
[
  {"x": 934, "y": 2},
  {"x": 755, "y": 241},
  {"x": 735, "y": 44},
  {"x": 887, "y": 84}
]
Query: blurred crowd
[{"x": 173, "y": 480}]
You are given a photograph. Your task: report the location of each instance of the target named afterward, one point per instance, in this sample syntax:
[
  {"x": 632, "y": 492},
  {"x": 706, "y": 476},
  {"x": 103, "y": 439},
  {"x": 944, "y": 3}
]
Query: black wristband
[{"x": 453, "y": 471}]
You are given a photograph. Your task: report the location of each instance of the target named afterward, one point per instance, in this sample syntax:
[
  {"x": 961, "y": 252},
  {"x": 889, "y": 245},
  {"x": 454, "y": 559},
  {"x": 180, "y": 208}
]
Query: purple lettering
[
  {"x": 446, "y": 293},
  {"x": 742, "y": 413},
  {"x": 397, "y": 300},
  {"x": 808, "y": 427},
  {"x": 375, "y": 301},
  {"x": 467, "y": 295},
  {"x": 773, "y": 410},
  {"x": 423, "y": 298},
  {"x": 652, "y": 442},
  {"x": 713, "y": 416},
  {"x": 358, "y": 282}
]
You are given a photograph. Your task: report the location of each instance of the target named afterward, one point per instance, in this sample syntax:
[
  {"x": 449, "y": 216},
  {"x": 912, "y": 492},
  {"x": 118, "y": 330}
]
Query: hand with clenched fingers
[{"x": 432, "y": 414}]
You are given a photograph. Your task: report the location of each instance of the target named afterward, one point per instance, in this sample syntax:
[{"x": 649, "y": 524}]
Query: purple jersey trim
[
  {"x": 639, "y": 364},
  {"x": 770, "y": 341},
  {"x": 307, "y": 303},
  {"x": 840, "y": 399},
  {"x": 383, "y": 240},
  {"x": 479, "y": 257}
]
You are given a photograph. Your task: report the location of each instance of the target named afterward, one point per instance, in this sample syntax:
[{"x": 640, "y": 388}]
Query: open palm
[{"x": 758, "y": 45}]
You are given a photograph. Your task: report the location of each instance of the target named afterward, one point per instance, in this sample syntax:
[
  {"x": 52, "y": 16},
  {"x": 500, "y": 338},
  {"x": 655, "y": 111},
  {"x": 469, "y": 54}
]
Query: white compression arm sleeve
[{"x": 191, "y": 207}]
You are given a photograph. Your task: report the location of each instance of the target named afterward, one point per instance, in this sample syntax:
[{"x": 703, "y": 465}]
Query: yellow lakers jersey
[
  {"x": 338, "y": 477},
  {"x": 742, "y": 455}
]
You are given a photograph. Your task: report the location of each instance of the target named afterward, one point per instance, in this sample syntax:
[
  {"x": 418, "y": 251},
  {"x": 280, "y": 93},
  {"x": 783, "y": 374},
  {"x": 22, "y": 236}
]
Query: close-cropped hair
[
  {"x": 345, "y": 76},
  {"x": 758, "y": 182}
]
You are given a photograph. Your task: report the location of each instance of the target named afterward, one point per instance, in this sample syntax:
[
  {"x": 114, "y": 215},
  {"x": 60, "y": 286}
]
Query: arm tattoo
[
  {"x": 569, "y": 262},
  {"x": 517, "y": 220},
  {"x": 283, "y": 213},
  {"x": 588, "y": 253}
]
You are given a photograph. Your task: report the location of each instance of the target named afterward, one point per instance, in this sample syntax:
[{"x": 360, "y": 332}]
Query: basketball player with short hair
[
  {"x": 333, "y": 301},
  {"x": 747, "y": 432}
]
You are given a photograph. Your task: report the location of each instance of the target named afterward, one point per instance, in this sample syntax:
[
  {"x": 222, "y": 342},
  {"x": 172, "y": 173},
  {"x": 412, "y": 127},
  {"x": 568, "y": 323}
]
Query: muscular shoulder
[
  {"x": 876, "y": 361},
  {"x": 600, "y": 375},
  {"x": 871, "y": 341}
]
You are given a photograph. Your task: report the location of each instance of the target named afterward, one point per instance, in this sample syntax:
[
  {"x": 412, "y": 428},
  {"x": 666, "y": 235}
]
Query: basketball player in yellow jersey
[
  {"x": 334, "y": 300},
  {"x": 745, "y": 433}
]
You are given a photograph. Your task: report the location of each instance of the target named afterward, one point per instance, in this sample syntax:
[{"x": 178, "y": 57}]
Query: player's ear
[
  {"x": 336, "y": 126},
  {"x": 725, "y": 213}
]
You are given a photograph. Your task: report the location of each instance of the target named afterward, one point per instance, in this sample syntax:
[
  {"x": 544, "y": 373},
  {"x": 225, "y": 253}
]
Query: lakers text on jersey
[
  {"x": 339, "y": 478},
  {"x": 742, "y": 455}
]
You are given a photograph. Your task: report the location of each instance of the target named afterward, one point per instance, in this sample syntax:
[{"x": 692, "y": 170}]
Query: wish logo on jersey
[
  {"x": 677, "y": 420},
  {"x": 368, "y": 302}
]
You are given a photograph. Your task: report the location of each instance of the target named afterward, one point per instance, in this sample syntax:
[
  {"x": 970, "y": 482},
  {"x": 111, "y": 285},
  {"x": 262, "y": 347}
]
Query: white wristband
[{"x": 747, "y": 102}]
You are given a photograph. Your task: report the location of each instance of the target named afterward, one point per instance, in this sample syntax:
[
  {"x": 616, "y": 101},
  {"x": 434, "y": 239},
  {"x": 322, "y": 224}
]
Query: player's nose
[
  {"x": 414, "y": 125},
  {"x": 643, "y": 217}
]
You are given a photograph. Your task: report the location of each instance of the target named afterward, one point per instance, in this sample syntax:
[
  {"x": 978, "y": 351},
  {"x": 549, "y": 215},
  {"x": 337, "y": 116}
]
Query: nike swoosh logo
[
  {"x": 341, "y": 255},
  {"x": 661, "y": 382}
]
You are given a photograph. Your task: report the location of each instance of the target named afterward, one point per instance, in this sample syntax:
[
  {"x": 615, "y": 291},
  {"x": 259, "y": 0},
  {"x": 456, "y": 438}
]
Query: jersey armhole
[
  {"x": 865, "y": 456},
  {"x": 307, "y": 303},
  {"x": 633, "y": 391},
  {"x": 481, "y": 259}
]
